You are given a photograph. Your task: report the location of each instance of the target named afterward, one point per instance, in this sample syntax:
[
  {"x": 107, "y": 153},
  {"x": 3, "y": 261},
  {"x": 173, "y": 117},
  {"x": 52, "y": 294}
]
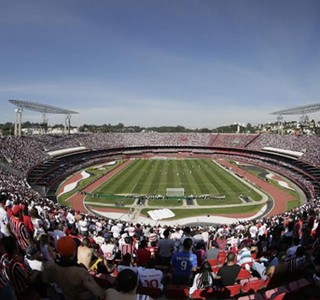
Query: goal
[{"x": 175, "y": 192}]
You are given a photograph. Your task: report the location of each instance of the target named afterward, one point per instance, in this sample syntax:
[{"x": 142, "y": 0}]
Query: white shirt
[
  {"x": 109, "y": 251},
  {"x": 253, "y": 231},
  {"x": 115, "y": 231},
  {"x": 83, "y": 224},
  {"x": 150, "y": 277},
  {"x": 70, "y": 218},
  {"x": 4, "y": 220},
  {"x": 33, "y": 264}
]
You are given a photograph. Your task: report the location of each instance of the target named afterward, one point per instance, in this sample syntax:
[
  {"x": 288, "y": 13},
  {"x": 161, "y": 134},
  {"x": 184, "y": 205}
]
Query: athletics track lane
[{"x": 77, "y": 200}]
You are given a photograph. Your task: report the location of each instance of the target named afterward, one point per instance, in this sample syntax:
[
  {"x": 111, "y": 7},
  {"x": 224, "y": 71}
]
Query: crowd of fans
[
  {"x": 48, "y": 251},
  {"x": 26, "y": 152},
  {"x": 52, "y": 252}
]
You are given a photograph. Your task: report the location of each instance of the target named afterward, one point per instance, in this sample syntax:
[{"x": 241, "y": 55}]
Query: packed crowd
[
  {"x": 25, "y": 152},
  {"x": 48, "y": 251},
  {"x": 52, "y": 252}
]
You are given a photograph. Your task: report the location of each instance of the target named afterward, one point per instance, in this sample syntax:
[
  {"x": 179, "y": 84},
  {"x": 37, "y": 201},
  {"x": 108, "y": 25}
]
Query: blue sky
[{"x": 194, "y": 63}]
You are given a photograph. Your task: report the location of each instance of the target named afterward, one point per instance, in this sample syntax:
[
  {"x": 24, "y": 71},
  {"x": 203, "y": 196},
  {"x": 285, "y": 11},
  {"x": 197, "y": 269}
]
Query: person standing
[
  {"x": 18, "y": 229},
  {"x": 4, "y": 219},
  {"x": 165, "y": 248},
  {"x": 184, "y": 263}
]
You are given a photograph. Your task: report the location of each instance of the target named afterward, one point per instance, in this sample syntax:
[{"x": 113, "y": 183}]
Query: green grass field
[{"x": 196, "y": 176}]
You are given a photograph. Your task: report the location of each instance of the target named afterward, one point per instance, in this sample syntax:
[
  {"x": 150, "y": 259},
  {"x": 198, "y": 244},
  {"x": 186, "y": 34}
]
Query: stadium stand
[{"x": 291, "y": 258}]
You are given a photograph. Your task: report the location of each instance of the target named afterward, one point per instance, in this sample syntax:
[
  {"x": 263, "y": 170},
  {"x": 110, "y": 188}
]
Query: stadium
[
  {"x": 204, "y": 181},
  {"x": 155, "y": 150}
]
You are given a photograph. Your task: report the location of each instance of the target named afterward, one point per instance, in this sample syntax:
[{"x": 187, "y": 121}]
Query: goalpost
[{"x": 175, "y": 192}]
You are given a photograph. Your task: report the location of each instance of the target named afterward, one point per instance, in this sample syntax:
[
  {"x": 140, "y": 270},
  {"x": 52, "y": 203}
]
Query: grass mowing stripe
[
  {"x": 123, "y": 183},
  {"x": 142, "y": 177},
  {"x": 185, "y": 178},
  {"x": 110, "y": 187},
  {"x": 175, "y": 182},
  {"x": 194, "y": 188},
  {"x": 153, "y": 177},
  {"x": 209, "y": 174},
  {"x": 234, "y": 184},
  {"x": 163, "y": 178},
  {"x": 207, "y": 177},
  {"x": 199, "y": 178}
]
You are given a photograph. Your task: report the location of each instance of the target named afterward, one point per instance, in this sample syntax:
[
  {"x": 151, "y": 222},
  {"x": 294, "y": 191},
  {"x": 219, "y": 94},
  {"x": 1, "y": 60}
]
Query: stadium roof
[
  {"x": 298, "y": 110},
  {"x": 43, "y": 108}
]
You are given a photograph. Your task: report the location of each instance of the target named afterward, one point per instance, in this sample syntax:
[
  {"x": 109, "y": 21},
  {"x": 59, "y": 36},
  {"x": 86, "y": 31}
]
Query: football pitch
[{"x": 198, "y": 177}]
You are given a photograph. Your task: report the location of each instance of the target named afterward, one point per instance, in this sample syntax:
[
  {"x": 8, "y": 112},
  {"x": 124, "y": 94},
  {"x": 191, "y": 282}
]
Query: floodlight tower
[
  {"x": 299, "y": 110},
  {"x": 38, "y": 107}
]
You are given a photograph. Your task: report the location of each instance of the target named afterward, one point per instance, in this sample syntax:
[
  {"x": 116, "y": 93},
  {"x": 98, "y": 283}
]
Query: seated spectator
[
  {"x": 109, "y": 248},
  {"x": 184, "y": 263},
  {"x": 213, "y": 252},
  {"x": 15, "y": 270},
  {"x": 298, "y": 261},
  {"x": 149, "y": 276},
  {"x": 46, "y": 250},
  {"x": 229, "y": 271},
  {"x": 277, "y": 268},
  {"x": 199, "y": 250},
  {"x": 126, "y": 263},
  {"x": 244, "y": 255},
  {"x": 32, "y": 258},
  {"x": 72, "y": 279},
  {"x": 127, "y": 282},
  {"x": 85, "y": 253},
  {"x": 126, "y": 246},
  {"x": 204, "y": 279},
  {"x": 143, "y": 255}
]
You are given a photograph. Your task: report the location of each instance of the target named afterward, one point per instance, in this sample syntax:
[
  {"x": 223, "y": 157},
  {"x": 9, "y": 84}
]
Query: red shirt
[
  {"x": 143, "y": 256},
  {"x": 27, "y": 222}
]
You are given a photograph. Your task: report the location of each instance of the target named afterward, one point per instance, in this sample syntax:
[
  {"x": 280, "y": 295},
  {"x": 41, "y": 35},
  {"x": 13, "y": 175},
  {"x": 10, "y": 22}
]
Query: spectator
[
  {"x": 109, "y": 248},
  {"x": 204, "y": 279},
  {"x": 32, "y": 258},
  {"x": 143, "y": 255},
  {"x": 183, "y": 264},
  {"x": 18, "y": 229},
  {"x": 73, "y": 279},
  {"x": 128, "y": 283},
  {"x": 165, "y": 248},
  {"x": 149, "y": 276},
  {"x": 213, "y": 252},
  {"x": 229, "y": 271},
  {"x": 85, "y": 253},
  {"x": 126, "y": 263},
  {"x": 47, "y": 252},
  {"x": 4, "y": 219},
  {"x": 14, "y": 269}
]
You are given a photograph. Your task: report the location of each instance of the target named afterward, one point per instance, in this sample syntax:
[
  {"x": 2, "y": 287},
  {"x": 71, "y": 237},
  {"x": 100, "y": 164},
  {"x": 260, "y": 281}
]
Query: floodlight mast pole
[
  {"x": 17, "y": 124},
  {"x": 280, "y": 118},
  {"x": 67, "y": 124}
]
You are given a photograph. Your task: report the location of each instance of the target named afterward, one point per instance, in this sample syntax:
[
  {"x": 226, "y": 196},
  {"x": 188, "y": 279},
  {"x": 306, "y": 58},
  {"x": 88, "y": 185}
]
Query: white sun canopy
[{"x": 160, "y": 214}]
